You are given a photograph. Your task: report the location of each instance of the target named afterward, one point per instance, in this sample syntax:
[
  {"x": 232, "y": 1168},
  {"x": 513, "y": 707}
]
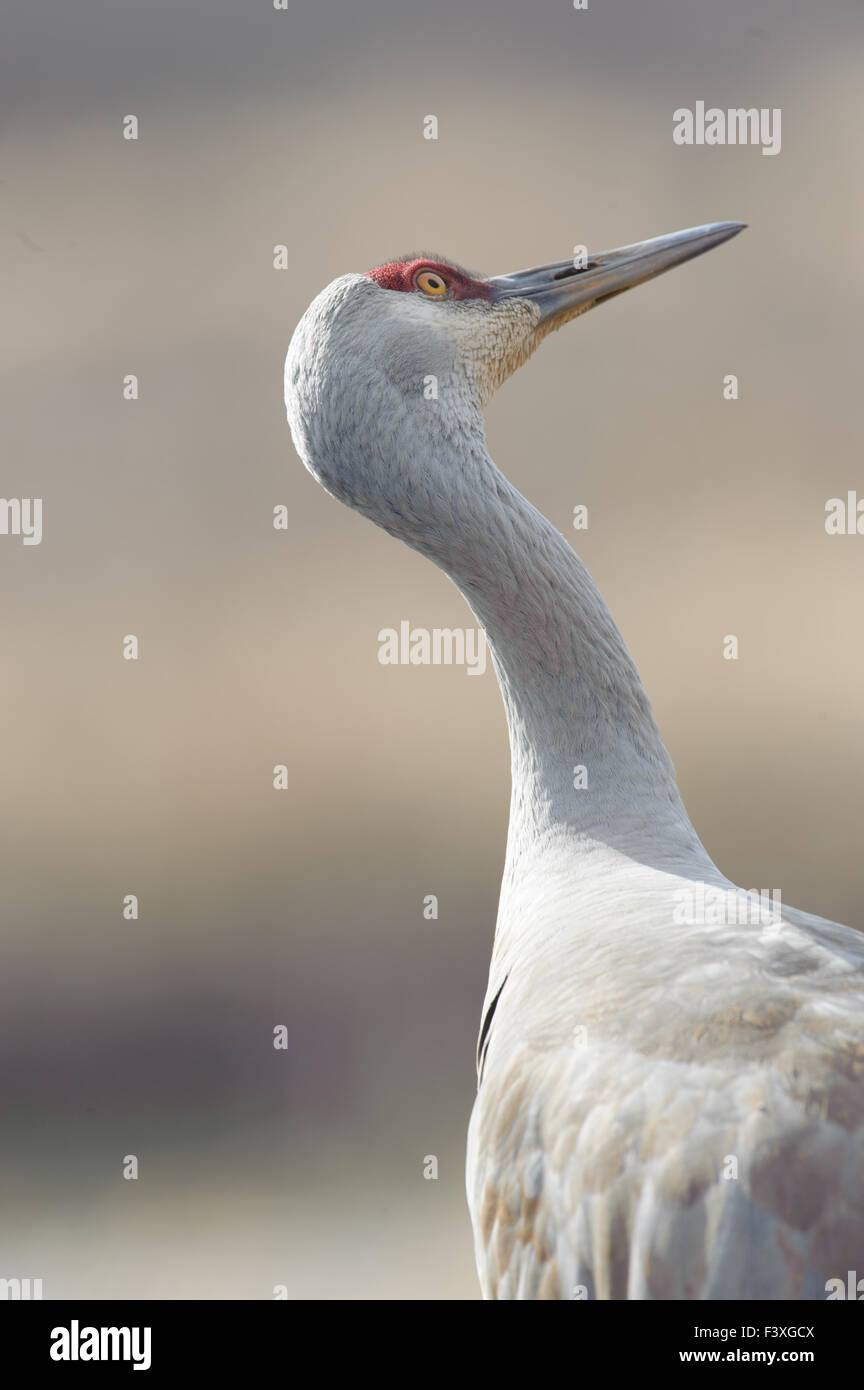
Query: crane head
[{"x": 388, "y": 370}]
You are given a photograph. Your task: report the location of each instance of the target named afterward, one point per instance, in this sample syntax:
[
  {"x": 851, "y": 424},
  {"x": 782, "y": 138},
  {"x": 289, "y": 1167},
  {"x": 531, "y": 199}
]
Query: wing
[{"x": 674, "y": 1152}]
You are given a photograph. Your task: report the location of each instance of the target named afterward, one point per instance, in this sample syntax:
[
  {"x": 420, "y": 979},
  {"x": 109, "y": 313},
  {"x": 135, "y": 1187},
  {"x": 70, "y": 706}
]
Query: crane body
[{"x": 670, "y": 1105}]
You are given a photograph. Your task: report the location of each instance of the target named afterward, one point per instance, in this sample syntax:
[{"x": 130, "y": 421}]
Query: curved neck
[{"x": 572, "y": 694}]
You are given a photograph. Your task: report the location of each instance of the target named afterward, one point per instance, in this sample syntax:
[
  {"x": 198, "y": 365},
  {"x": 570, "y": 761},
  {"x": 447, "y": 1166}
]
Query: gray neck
[{"x": 572, "y": 694}]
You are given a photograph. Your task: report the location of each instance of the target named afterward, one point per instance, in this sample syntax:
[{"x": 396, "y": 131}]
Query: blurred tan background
[{"x": 304, "y": 1167}]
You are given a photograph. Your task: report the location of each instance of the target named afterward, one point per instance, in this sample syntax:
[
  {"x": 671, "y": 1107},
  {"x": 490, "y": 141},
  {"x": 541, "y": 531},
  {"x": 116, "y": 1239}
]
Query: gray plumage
[{"x": 671, "y": 1104}]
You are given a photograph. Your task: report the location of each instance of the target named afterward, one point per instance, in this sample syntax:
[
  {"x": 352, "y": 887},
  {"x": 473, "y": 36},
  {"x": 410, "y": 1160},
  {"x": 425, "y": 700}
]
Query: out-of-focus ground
[{"x": 303, "y": 1167}]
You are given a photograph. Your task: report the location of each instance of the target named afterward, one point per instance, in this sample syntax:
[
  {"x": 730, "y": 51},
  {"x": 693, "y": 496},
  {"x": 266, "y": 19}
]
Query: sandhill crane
[{"x": 670, "y": 1101}]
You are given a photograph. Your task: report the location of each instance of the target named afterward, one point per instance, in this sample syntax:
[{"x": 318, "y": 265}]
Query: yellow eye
[{"x": 431, "y": 283}]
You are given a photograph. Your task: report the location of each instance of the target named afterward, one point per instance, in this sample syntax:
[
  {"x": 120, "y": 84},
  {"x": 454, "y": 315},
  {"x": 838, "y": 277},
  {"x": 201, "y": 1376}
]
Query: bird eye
[{"x": 431, "y": 283}]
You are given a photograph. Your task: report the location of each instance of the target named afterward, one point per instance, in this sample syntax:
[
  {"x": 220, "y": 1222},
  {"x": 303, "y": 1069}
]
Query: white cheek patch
[{"x": 495, "y": 339}]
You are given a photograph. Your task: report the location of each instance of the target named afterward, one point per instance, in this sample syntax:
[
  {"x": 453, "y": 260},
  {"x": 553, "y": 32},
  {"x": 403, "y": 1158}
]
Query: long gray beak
[{"x": 563, "y": 289}]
